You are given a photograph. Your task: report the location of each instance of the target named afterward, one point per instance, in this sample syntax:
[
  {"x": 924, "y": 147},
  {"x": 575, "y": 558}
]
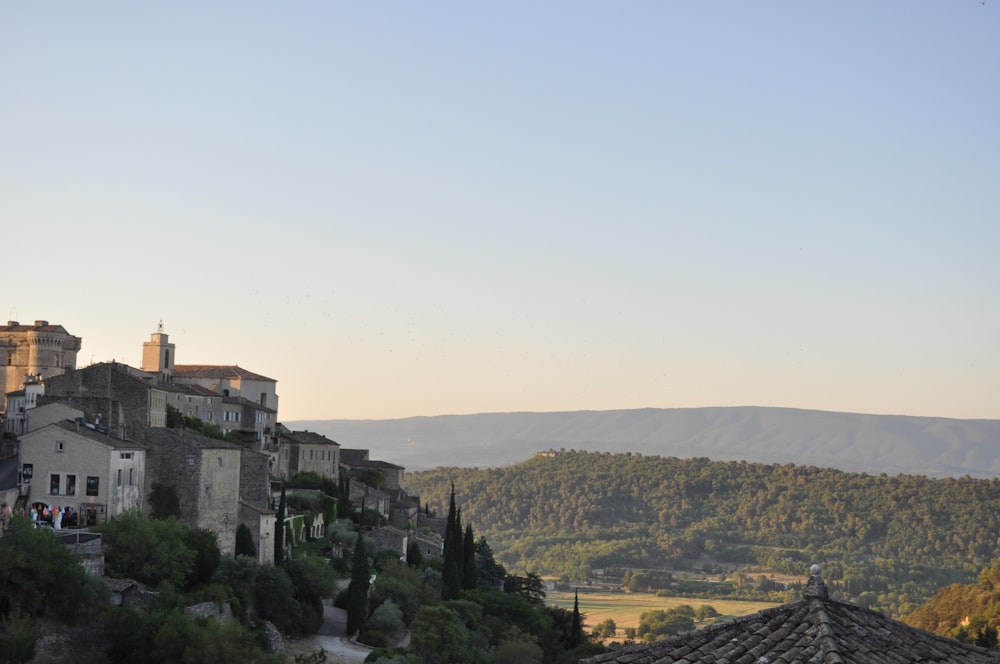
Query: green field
[{"x": 625, "y": 608}]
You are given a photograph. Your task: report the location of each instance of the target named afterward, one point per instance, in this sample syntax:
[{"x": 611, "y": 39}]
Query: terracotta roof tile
[{"x": 217, "y": 371}]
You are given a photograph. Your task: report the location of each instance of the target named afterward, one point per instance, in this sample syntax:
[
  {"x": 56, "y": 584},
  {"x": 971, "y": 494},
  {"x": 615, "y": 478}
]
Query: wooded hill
[{"x": 887, "y": 541}]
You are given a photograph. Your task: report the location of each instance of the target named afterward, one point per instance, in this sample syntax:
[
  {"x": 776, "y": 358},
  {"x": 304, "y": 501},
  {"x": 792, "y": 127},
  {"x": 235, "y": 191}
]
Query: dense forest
[
  {"x": 889, "y": 542},
  {"x": 967, "y": 612}
]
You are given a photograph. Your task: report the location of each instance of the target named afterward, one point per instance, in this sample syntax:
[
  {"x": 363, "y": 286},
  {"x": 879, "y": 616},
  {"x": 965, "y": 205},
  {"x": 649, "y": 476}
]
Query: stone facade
[
  {"x": 306, "y": 452},
  {"x": 354, "y": 462},
  {"x": 41, "y": 350},
  {"x": 261, "y": 523},
  {"x": 69, "y": 464},
  {"x": 123, "y": 396},
  {"x": 205, "y": 474},
  {"x": 390, "y": 538}
]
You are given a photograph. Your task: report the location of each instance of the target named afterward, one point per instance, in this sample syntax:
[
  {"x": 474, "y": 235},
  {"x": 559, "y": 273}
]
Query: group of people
[{"x": 54, "y": 515}]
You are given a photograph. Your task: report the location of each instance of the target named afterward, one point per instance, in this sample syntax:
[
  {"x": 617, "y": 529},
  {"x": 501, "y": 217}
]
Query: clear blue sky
[{"x": 419, "y": 208}]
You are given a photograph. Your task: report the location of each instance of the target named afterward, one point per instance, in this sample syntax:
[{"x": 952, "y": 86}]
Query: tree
[
  {"x": 163, "y": 502},
  {"x": 313, "y": 579},
  {"x": 451, "y": 571},
  {"x": 414, "y": 556},
  {"x": 357, "y": 590},
  {"x": 470, "y": 574},
  {"x": 387, "y": 618},
  {"x": 244, "y": 542},
  {"x": 205, "y": 545},
  {"x": 149, "y": 551},
  {"x": 529, "y": 586},
  {"x": 274, "y": 597},
  {"x": 37, "y": 572},
  {"x": 279, "y": 530},
  {"x": 438, "y": 637},
  {"x": 605, "y": 629},
  {"x": 407, "y": 587},
  {"x": 491, "y": 573},
  {"x": 18, "y": 636},
  {"x": 576, "y": 628},
  {"x": 659, "y": 623}
]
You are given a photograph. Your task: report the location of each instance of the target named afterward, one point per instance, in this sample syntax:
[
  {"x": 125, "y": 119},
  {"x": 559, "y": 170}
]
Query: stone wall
[
  {"x": 205, "y": 474},
  {"x": 255, "y": 486}
]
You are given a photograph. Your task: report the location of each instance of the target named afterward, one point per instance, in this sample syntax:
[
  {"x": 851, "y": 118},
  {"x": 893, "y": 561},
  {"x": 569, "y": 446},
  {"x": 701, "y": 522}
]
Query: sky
[{"x": 422, "y": 208}]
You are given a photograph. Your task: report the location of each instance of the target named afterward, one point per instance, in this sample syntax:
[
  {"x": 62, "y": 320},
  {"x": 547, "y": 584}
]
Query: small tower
[{"x": 158, "y": 354}]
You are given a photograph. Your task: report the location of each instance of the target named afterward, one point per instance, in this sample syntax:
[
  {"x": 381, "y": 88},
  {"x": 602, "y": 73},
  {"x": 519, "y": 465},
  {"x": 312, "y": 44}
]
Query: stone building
[
  {"x": 228, "y": 396},
  {"x": 70, "y": 464},
  {"x": 357, "y": 464},
  {"x": 21, "y": 402},
  {"x": 205, "y": 475},
  {"x": 40, "y": 350},
  {"x": 121, "y": 395},
  {"x": 306, "y": 452}
]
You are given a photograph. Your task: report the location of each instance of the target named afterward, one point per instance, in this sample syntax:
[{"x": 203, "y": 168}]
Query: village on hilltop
[{"x": 83, "y": 445}]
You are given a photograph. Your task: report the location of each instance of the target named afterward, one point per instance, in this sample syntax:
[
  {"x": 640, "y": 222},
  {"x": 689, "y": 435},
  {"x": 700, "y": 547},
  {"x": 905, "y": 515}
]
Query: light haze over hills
[{"x": 932, "y": 446}]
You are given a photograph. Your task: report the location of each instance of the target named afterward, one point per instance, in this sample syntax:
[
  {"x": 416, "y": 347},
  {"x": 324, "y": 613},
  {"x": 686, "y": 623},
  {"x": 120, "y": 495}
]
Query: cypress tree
[
  {"x": 244, "y": 542},
  {"x": 470, "y": 572},
  {"x": 357, "y": 591},
  {"x": 576, "y": 629},
  {"x": 457, "y": 538},
  {"x": 451, "y": 572},
  {"x": 279, "y": 530}
]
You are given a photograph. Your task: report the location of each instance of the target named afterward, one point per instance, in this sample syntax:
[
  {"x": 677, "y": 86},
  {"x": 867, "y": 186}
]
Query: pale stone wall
[
  {"x": 261, "y": 524},
  {"x": 320, "y": 459},
  {"x": 76, "y": 456}
]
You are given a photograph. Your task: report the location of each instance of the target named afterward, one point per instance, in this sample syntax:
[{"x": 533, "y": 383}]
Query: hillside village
[{"x": 84, "y": 445}]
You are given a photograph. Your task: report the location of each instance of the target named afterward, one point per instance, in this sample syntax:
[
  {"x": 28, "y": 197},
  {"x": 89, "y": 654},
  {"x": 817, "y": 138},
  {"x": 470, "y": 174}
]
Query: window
[
  {"x": 71, "y": 485},
  {"x": 60, "y": 447},
  {"x": 131, "y": 476},
  {"x": 119, "y": 477},
  {"x": 125, "y": 455},
  {"x": 27, "y": 471},
  {"x": 54, "y": 484},
  {"x": 93, "y": 485}
]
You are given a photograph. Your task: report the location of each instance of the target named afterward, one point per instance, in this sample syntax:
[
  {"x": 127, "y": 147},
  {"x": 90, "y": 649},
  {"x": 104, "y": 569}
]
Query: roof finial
[
  {"x": 815, "y": 586},
  {"x": 159, "y": 328}
]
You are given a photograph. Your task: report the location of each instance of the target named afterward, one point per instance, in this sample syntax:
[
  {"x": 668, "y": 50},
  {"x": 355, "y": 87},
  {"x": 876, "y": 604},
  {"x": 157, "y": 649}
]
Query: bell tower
[{"x": 158, "y": 354}]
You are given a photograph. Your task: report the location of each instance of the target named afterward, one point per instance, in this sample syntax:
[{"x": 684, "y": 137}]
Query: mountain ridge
[{"x": 856, "y": 442}]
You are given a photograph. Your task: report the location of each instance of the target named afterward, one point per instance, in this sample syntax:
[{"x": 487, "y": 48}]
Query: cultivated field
[{"x": 625, "y": 608}]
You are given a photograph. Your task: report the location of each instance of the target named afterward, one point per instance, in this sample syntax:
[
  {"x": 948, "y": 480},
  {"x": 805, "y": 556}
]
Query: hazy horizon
[{"x": 410, "y": 209}]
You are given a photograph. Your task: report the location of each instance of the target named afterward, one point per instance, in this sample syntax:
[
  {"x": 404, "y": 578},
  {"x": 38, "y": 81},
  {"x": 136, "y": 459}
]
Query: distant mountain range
[{"x": 931, "y": 446}]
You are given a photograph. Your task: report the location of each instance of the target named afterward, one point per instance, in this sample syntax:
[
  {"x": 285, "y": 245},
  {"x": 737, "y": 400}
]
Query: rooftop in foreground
[{"x": 812, "y": 630}]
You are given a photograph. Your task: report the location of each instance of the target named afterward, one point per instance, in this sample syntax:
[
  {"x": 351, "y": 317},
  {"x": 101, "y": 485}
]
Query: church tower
[{"x": 158, "y": 354}]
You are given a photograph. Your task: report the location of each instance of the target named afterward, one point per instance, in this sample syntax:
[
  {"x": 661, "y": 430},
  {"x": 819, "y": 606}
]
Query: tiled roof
[
  {"x": 107, "y": 437},
  {"x": 216, "y": 371},
  {"x": 813, "y": 630},
  {"x": 309, "y": 438}
]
